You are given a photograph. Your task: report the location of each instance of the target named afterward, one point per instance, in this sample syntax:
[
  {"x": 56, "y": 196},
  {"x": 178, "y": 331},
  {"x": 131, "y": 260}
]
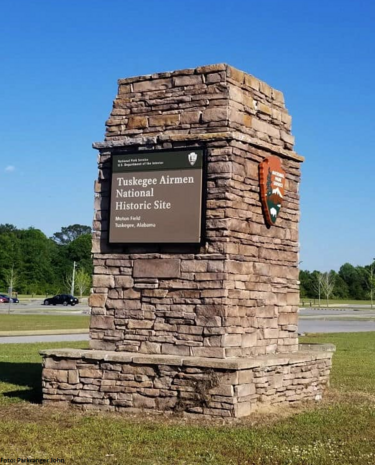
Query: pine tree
[{"x": 269, "y": 182}]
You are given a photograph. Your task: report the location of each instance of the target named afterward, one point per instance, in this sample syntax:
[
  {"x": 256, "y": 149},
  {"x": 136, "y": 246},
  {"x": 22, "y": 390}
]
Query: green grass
[
  {"x": 354, "y": 362},
  {"x": 21, "y": 370},
  {"x": 42, "y": 322},
  {"x": 338, "y": 431}
]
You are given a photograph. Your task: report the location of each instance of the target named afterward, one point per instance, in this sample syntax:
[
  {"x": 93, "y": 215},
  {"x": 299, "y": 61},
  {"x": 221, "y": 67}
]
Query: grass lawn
[
  {"x": 338, "y": 431},
  {"x": 42, "y": 322}
]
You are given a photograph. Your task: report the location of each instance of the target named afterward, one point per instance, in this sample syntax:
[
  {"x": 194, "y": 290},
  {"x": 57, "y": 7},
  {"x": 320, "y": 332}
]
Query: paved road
[
  {"x": 38, "y": 307},
  {"x": 49, "y": 338},
  {"x": 336, "y": 313},
  {"x": 335, "y": 326}
]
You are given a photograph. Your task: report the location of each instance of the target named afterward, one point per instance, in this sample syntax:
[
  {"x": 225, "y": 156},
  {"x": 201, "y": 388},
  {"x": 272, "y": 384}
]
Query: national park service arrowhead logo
[
  {"x": 192, "y": 157},
  {"x": 272, "y": 188}
]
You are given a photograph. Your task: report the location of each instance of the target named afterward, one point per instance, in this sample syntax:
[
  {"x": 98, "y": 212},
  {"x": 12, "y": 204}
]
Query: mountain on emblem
[
  {"x": 272, "y": 188},
  {"x": 192, "y": 157},
  {"x": 277, "y": 191}
]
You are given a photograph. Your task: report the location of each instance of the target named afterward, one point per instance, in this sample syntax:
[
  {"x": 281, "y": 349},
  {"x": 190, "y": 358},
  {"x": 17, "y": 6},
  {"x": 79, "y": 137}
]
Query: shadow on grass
[{"x": 26, "y": 375}]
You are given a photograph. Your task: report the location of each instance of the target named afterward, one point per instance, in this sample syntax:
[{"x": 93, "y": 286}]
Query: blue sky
[{"x": 59, "y": 65}]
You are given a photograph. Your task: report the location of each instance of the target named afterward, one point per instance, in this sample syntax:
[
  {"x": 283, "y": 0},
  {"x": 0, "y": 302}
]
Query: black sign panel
[{"x": 156, "y": 197}]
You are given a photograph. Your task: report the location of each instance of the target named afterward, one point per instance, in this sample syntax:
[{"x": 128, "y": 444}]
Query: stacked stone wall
[
  {"x": 132, "y": 383},
  {"x": 207, "y": 99},
  {"x": 238, "y": 294},
  {"x": 206, "y": 329}
]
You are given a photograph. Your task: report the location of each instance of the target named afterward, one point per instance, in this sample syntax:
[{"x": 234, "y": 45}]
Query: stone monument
[{"x": 195, "y": 247}]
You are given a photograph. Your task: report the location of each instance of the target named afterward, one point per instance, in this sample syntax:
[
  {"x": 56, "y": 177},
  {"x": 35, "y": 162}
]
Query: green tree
[
  {"x": 370, "y": 281},
  {"x": 318, "y": 284},
  {"x": 269, "y": 182},
  {"x": 39, "y": 264},
  {"x": 70, "y": 233},
  {"x": 306, "y": 284},
  {"x": 10, "y": 256},
  {"x": 328, "y": 283},
  {"x": 36, "y": 272},
  {"x": 355, "y": 280},
  {"x": 82, "y": 281},
  {"x": 341, "y": 290},
  {"x": 79, "y": 251}
]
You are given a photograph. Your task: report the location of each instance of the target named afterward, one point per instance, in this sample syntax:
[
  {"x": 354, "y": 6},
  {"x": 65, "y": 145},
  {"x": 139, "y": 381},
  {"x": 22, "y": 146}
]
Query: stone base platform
[{"x": 233, "y": 387}]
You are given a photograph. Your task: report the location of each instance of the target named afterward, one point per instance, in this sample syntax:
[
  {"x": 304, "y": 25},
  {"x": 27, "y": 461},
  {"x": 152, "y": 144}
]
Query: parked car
[
  {"x": 5, "y": 299},
  {"x": 61, "y": 299}
]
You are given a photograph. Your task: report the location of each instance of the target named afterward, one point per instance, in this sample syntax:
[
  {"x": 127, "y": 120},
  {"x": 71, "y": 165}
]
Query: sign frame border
[{"x": 203, "y": 235}]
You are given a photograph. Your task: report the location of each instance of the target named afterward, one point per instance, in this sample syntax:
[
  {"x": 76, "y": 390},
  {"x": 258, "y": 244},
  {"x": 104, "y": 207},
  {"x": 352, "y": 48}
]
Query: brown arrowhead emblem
[{"x": 272, "y": 188}]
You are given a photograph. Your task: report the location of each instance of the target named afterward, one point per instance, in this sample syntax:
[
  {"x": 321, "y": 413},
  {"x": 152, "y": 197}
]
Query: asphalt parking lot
[{"x": 36, "y": 306}]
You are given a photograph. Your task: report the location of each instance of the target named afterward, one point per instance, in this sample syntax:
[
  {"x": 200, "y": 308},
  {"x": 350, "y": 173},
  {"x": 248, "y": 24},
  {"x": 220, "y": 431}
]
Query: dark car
[
  {"x": 61, "y": 299},
  {"x": 5, "y": 299}
]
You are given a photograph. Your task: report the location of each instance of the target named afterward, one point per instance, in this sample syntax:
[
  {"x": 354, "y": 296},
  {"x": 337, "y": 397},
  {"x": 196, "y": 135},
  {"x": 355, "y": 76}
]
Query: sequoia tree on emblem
[{"x": 272, "y": 188}]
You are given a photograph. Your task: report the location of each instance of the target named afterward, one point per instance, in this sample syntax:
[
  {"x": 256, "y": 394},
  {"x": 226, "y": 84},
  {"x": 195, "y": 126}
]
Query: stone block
[
  {"x": 189, "y": 329},
  {"x": 90, "y": 373},
  {"x": 172, "y": 349},
  {"x": 249, "y": 340},
  {"x": 60, "y": 376},
  {"x": 210, "y": 352},
  {"x": 236, "y": 74},
  {"x": 278, "y": 96},
  {"x": 166, "y": 403},
  {"x": 222, "y": 390},
  {"x": 60, "y": 364},
  {"x": 288, "y": 319},
  {"x": 215, "y": 114},
  {"x": 164, "y": 120},
  {"x": 245, "y": 376},
  {"x": 232, "y": 340},
  {"x": 150, "y": 347},
  {"x": 220, "y": 167},
  {"x": 152, "y": 85},
  {"x": 210, "y": 310},
  {"x": 157, "y": 268},
  {"x": 238, "y": 267},
  {"x": 97, "y": 300},
  {"x": 102, "y": 345},
  {"x": 211, "y": 68},
  {"x": 242, "y": 409},
  {"x": 140, "y": 324},
  {"x": 104, "y": 281},
  {"x": 252, "y": 82},
  {"x": 243, "y": 390},
  {"x": 101, "y": 322},
  {"x": 190, "y": 117},
  {"x": 73, "y": 377},
  {"x": 124, "y": 282},
  {"x": 187, "y": 80},
  {"x": 262, "y": 126},
  {"x": 270, "y": 333},
  {"x": 262, "y": 108},
  {"x": 143, "y": 402},
  {"x": 292, "y": 298},
  {"x": 214, "y": 78},
  {"x": 137, "y": 122}
]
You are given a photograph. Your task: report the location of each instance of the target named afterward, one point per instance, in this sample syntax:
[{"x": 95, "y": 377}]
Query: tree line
[
  {"x": 32, "y": 263},
  {"x": 350, "y": 282}
]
